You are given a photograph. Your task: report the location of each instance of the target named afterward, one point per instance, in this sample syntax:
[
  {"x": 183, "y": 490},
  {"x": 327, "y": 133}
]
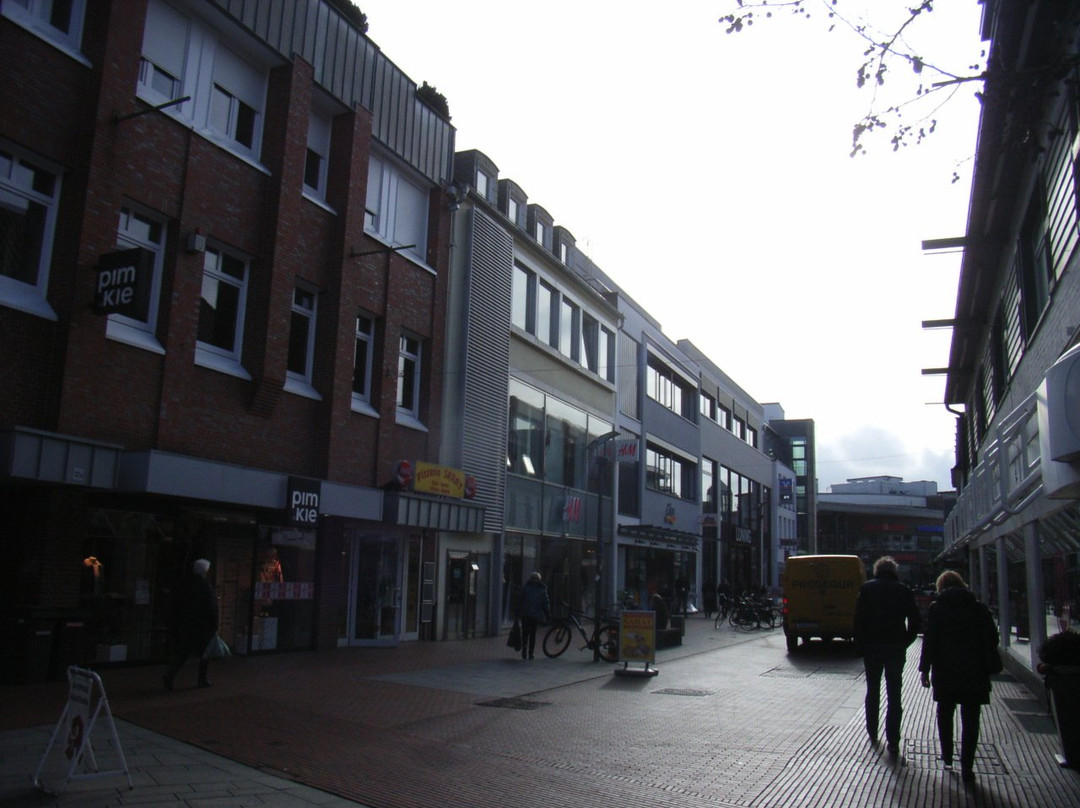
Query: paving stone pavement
[{"x": 731, "y": 720}]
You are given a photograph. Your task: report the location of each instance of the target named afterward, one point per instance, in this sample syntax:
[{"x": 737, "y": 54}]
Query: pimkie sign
[
  {"x": 303, "y": 502},
  {"x": 123, "y": 283}
]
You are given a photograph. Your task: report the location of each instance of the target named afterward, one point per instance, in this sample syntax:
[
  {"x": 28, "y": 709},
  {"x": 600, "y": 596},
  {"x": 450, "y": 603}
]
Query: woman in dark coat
[
  {"x": 535, "y": 609},
  {"x": 194, "y": 621},
  {"x": 957, "y": 646}
]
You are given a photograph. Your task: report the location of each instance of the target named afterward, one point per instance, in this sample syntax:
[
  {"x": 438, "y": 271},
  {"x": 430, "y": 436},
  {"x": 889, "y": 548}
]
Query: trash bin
[{"x": 27, "y": 646}]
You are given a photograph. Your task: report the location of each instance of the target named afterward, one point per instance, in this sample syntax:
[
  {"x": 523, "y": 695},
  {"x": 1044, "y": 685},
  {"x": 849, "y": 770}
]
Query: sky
[{"x": 709, "y": 176}]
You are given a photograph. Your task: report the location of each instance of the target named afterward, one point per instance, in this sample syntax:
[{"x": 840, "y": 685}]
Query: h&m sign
[
  {"x": 303, "y": 502},
  {"x": 123, "y": 283}
]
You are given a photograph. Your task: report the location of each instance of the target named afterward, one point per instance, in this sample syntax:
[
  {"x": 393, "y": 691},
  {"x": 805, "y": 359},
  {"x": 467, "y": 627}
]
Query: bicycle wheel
[
  {"x": 608, "y": 638},
  {"x": 556, "y": 640}
]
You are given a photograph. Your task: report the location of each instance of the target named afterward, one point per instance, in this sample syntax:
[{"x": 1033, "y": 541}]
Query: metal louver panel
[{"x": 489, "y": 253}]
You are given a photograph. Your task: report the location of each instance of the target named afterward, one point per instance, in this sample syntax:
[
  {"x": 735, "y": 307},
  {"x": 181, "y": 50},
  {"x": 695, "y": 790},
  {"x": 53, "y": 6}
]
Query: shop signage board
[
  {"x": 637, "y": 642},
  {"x": 123, "y": 283},
  {"x": 441, "y": 480},
  {"x": 70, "y": 745}
]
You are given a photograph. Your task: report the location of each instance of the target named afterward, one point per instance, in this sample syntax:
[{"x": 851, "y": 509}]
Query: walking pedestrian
[
  {"x": 682, "y": 592},
  {"x": 535, "y": 609},
  {"x": 194, "y": 620},
  {"x": 886, "y": 623},
  {"x": 959, "y": 652}
]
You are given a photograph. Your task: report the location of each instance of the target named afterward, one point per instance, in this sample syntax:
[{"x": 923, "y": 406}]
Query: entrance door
[{"x": 374, "y": 591}]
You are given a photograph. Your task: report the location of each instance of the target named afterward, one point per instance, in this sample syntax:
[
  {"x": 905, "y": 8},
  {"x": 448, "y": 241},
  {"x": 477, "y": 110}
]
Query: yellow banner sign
[
  {"x": 442, "y": 480},
  {"x": 637, "y": 637}
]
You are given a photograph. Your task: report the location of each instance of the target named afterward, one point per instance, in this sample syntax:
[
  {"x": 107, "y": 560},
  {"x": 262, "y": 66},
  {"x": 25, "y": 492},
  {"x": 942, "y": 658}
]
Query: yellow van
[{"x": 819, "y": 597}]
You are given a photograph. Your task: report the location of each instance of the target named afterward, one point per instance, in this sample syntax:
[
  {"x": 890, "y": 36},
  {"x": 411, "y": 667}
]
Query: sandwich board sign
[{"x": 70, "y": 746}]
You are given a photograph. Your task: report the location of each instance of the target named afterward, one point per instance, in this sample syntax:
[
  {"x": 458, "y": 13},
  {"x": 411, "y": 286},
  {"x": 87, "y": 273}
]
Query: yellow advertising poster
[
  {"x": 441, "y": 480},
  {"x": 637, "y": 637}
]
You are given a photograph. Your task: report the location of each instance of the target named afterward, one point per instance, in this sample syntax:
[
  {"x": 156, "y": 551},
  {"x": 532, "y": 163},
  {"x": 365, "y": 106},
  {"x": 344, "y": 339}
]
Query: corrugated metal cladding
[
  {"x": 352, "y": 68},
  {"x": 489, "y": 251}
]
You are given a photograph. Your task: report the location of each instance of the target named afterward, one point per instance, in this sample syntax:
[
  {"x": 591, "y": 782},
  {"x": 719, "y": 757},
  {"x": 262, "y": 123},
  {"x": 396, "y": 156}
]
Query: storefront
[
  {"x": 654, "y": 560},
  {"x": 98, "y": 540}
]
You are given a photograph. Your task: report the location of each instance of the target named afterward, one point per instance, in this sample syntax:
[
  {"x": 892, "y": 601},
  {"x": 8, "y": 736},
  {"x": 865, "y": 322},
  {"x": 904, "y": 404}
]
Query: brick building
[{"x": 224, "y": 237}]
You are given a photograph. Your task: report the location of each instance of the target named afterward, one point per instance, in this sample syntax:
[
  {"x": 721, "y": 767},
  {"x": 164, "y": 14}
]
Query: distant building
[
  {"x": 794, "y": 442},
  {"x": 875, "y": 516}
]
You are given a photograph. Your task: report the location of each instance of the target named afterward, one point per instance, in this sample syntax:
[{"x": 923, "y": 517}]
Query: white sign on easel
[{"x": 73, "y": 733}]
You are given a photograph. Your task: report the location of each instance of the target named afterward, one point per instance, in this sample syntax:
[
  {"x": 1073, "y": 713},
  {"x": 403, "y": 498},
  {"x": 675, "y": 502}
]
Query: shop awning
[
  {"x": 661, "y": 536},
  {"x": 48, "y": 457},
  {"x": 416, "y": 510}
]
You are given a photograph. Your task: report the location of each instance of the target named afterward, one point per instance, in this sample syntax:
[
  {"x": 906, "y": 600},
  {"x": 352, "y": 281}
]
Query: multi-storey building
[
  {"x": 875, "y": 516},
  {"x": 224, "y": 233},
  {"x": 796, "y": 440},
  {"x": 1015, "y": 353},
  {"x": 535, "y": 349}
]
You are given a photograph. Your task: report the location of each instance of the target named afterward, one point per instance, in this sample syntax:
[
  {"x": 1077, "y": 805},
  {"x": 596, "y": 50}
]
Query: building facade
[
  {"x": 1014, "y": 360},
  {"x": 875, "y": 516},
  {"x": 224, "y": 247}
]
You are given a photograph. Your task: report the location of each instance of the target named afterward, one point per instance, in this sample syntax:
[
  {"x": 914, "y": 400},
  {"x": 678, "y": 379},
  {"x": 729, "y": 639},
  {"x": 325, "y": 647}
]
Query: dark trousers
[
  {"x": 969, "y": 738},
  {"x": 888, "y": 660},
  {"x": 176, "y": 661},
  {"x": 528, "y": 637}
]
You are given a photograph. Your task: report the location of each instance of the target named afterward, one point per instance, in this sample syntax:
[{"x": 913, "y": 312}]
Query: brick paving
[{"x": 731, "y": 720}]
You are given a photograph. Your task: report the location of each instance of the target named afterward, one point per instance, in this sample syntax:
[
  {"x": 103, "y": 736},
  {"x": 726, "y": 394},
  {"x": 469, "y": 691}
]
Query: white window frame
[
  {"x": 512, "y": 209},
  {"x": 36, "y": 16},
  {"x": 139, "y": 333},
  {"x": 365, "y": 336},
  {"x": 482, "y": 183},
  {"x": 212, "y": 72},
  {"x": 409, "y": 366},
  {"x": 225, "y": 359},
  {"x": 16, "y": 190},
  {"x": 318, "y": 144},
  {"x": 296, "y": 382},
  {"x": 388, "y": 216}
]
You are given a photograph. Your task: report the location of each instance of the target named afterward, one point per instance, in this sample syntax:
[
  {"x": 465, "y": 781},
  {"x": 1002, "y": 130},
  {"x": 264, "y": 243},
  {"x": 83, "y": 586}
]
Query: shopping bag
[
  {"x": 216, "y": 649},
  {"x": 514, "y": 640}
]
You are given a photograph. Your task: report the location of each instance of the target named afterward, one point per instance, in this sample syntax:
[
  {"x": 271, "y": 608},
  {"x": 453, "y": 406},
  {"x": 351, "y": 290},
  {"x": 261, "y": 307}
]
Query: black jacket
[
  {"x": 960, "y": 636},
  {"x": 534, "y": 602},
  {"x": 886, "y": 613},
  {"x": 195, "y": 615}
]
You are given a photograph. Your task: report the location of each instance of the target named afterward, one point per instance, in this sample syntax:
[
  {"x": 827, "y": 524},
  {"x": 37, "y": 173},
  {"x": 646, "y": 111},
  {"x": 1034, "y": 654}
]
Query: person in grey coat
[
  {"x": 535, "y": 609},
  {"x": 193, "y": 622},
  {"x": 959, "y": 641}
]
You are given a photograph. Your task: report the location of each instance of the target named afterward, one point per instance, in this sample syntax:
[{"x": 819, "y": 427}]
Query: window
[
  {"x": 408, "y": 378},
  {"x": 707, "y": 405},
  {"x": 540, "y": 233},
  {"x": 723, "y": 417},
  {"x": 738, "y": 428},
  {"x": 318, "y": 154},
  {"x": 546, "y": 314},
  {"x": 752, "y": 436},
  {"x": 669, "y": 389},
  {"x": 564, "y": 253},
  {"x": 221, "y": 311},
  {"x": 1036, "y": 269},
  {"x": 512, "y": 209},
  {"x": 139, "y": 229},
  {"x": 362, "y": 355},
  {"x": 396, "y": 209},
  {"x": 606, "y": 354},
  {"x": 668, "y": 473},
  {"x": 28, "y": 200},
  {"x": 182, "y": 56},
  {"x": 57, "y": 21},
  {"x": 301, "y": 356},
  {"x": 569, "y": 329},
  {"x": 523, "y": 284},
  {"x": 482, "y": 184},
  {"x": 708, "y": 485}
]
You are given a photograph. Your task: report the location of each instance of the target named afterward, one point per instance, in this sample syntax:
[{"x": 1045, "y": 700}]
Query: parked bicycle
[
  {"x": 723, "y": 608},
  {"x": 557, "y": 639},
  {"x": 753, "y": 613}
]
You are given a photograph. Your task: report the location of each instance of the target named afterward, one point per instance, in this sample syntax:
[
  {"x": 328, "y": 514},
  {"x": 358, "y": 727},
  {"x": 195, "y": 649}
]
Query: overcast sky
[{"x": 708, "y": 174}]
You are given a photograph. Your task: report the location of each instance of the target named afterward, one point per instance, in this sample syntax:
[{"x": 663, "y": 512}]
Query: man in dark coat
[
  {"x": 960, "y": 639},
  {"x": 535, "y": 609},
  {"x": 886, "y": 623},
  {"x": 194, "y": 621}
]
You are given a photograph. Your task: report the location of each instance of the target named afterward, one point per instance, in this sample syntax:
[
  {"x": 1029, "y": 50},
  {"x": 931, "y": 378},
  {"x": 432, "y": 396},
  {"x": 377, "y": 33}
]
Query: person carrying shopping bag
[{"x": 959, "y": 654}]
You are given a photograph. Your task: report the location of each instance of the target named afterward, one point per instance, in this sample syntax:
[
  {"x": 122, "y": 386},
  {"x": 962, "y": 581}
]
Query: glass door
[{"x": 374, "y": 591}]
